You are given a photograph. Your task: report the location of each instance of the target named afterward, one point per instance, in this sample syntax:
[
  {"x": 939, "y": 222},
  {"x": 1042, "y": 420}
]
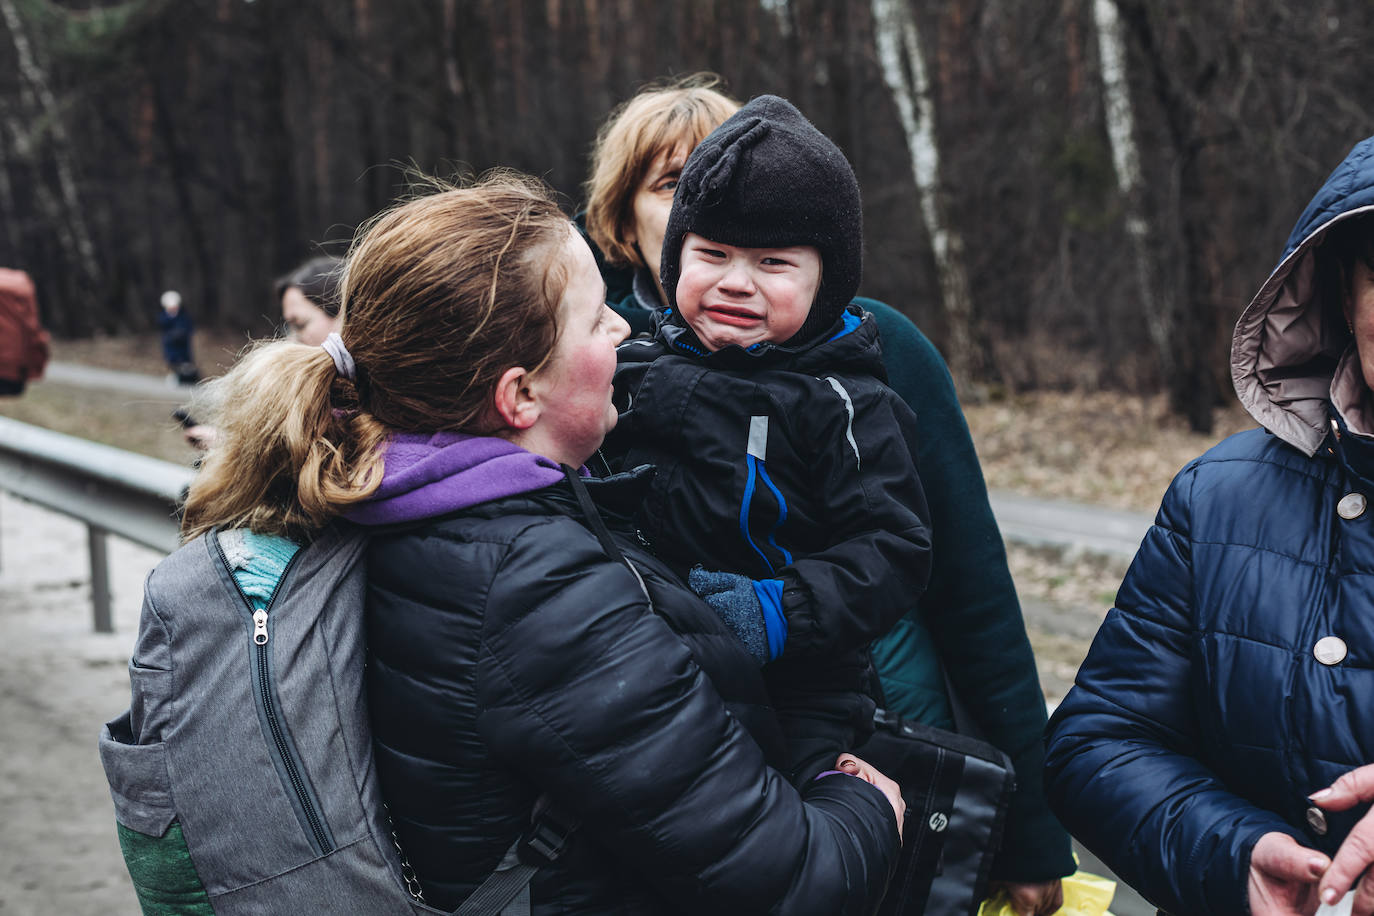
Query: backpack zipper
[{"x": 263, "y": 688}]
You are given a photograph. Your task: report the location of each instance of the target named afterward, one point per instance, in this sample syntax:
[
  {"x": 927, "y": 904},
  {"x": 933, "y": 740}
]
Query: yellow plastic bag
[{"x": 1084, "y": 895}]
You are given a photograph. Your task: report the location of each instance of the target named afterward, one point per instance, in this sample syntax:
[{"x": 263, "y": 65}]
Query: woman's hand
[
  {"x": 1037, "y": 899},
  {"x": 1283, "y": 877},
  {"x": 848, "y": 763},
  {"x": 1357, "y": 852}
]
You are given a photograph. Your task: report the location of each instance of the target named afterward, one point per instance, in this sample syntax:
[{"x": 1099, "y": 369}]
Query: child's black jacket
[{"x": 781, "y": 463}]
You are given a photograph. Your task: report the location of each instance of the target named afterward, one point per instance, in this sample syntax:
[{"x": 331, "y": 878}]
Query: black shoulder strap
[
  {"x": 507, "y": 890},
  {"x": 598, "y": 528}
]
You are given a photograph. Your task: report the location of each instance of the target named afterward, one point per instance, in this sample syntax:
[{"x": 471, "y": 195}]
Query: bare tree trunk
[
  {"x": 321, "y": 58},
  {"x": 37, "y": 81},
  {"x": 1191, "y": 324},
  {"x": 181, "y": 187},
  {"x": 904, "y": 71},
  {"x": 1120, "y": 119}
]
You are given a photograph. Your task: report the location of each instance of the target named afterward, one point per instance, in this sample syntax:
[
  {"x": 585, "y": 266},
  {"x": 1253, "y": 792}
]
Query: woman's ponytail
[{"x": 293, "y": 449}]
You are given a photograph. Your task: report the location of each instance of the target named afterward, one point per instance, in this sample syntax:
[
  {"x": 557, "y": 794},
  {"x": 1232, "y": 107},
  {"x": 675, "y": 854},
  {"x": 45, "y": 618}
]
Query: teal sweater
[
  {"x": 969, "y": 618},
  {"x": 258, "y": 560}
]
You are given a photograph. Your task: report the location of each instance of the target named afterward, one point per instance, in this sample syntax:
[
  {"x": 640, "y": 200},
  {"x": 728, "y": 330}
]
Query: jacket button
[
  {"x": 1316, "y": 819},
  {"x": 1352, "y": 505},
  {"x": 1329, "y": 650}
]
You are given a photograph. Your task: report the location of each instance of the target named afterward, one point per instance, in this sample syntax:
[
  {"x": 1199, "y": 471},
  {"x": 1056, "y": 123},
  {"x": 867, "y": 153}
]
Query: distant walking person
[
  {"x": 176, "y": 326},
  {"x": 1232, "y": 680},
  {"x": 23, "y": 342}
]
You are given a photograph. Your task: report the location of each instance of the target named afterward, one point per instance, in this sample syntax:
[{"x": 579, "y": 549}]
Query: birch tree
[
  {"x": 1121, "y": 134},
  {"x": 69, "y": 215},
  {"x": 904, "y": 70}
]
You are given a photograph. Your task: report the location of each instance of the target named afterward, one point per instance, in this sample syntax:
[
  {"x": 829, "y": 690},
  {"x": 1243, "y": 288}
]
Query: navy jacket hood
[{"x": 1291, "y": 354}]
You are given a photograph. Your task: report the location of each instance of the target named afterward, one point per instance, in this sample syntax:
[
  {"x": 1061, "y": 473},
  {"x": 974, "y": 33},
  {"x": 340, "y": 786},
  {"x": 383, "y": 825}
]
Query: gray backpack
[{"x": 242, "y": 773}]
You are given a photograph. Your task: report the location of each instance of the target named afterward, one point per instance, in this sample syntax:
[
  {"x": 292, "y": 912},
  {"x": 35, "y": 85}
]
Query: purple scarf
[{"x": 430, "y": 474}]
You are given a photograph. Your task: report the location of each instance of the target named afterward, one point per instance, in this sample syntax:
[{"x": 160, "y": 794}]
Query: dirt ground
[
  {"x": 58, "y": 683},
  {"x": 1104, "y": 448}
]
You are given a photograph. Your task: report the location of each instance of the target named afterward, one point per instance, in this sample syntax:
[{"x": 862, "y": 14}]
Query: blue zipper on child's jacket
[{"x": 756, "y": 471}]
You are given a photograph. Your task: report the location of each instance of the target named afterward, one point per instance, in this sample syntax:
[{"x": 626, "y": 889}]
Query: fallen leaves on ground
[{"x": 1102, "y": 448}]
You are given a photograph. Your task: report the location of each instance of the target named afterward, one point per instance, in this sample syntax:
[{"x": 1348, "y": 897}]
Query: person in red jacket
[{"x": 23, "y": 342}]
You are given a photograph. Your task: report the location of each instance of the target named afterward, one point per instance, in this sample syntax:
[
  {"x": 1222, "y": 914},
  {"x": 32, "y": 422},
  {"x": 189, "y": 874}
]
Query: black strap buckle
[{"x": 547, "y": 837}]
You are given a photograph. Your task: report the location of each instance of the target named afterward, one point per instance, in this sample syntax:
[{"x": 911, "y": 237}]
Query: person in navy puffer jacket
[{"x": 1228, "y": 684}]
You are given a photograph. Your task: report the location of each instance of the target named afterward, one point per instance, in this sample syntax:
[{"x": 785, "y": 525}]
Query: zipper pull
[{"x": 260, "y": 627}]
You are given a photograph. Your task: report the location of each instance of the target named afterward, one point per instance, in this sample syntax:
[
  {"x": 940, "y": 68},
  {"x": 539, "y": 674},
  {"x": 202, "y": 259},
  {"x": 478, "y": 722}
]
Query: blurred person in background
[
  {"x": 176, "y": 326},
  {"x": 1229, "y": 684},
  {"x": 309, "y": 299},
  {"x": 23, "y": 342},
  {"x": 968, "y": 624}
]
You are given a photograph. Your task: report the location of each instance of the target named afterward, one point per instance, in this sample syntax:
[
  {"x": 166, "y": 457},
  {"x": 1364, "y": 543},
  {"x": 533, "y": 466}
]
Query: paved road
[
  {"x": 141, "y": 384},
  {"x": 1072, "y": 526}
]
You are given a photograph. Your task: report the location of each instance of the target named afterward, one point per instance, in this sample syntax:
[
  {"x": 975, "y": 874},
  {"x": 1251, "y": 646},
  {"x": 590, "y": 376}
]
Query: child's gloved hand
[{"x": 751, "y": 608}]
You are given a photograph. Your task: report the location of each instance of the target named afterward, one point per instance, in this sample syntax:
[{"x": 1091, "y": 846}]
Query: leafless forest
[{"x": 1058, "y": 192}]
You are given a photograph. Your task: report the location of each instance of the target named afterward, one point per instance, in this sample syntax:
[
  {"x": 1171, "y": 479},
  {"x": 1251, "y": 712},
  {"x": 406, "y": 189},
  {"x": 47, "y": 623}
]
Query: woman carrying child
[{"x": 520, "y": 648}]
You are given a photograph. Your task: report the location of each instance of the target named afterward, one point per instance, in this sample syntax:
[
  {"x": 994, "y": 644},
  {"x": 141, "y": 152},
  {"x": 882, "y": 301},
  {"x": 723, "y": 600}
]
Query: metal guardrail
[{"x": 111, "y": 490}]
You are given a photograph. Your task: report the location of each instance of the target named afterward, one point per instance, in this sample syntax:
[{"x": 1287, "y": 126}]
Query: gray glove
[{"x": 752, "y": 608}]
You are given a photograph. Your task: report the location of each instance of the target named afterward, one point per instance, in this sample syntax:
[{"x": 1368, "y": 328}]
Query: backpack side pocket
[
  {"x": 138, "y": 779},
  {"x": 151, "y": 840}
]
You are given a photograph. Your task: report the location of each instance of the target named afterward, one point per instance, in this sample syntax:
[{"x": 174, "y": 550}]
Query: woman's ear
[{"x": 514, "y": 400}]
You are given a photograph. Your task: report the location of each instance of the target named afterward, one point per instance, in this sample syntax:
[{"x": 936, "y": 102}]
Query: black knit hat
[{"x": 766, "y": 178}]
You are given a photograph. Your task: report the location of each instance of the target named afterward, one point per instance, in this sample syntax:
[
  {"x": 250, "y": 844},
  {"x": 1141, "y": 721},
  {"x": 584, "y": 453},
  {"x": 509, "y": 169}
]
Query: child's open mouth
[{"x": 729, "y": 315}]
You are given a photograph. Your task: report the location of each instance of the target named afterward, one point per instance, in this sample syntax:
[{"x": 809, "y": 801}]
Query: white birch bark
[
  {"x": 451, "y": 74},
  {"x": 782, "y": 12},
  {"x": 904, "y": 71},
  {"x": 1120, "y": 118},
  {"x": 37, "y": 83}
]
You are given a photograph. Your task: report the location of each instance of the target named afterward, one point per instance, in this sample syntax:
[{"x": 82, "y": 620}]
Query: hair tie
[{"x": 343, "y": 360}]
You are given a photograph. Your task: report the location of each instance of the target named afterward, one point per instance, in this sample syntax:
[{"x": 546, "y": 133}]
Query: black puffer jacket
[
  {"x": 795, "y": 464},
  {"x": 511, "y": 656},
  {"x": 781, "y": 463}
]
